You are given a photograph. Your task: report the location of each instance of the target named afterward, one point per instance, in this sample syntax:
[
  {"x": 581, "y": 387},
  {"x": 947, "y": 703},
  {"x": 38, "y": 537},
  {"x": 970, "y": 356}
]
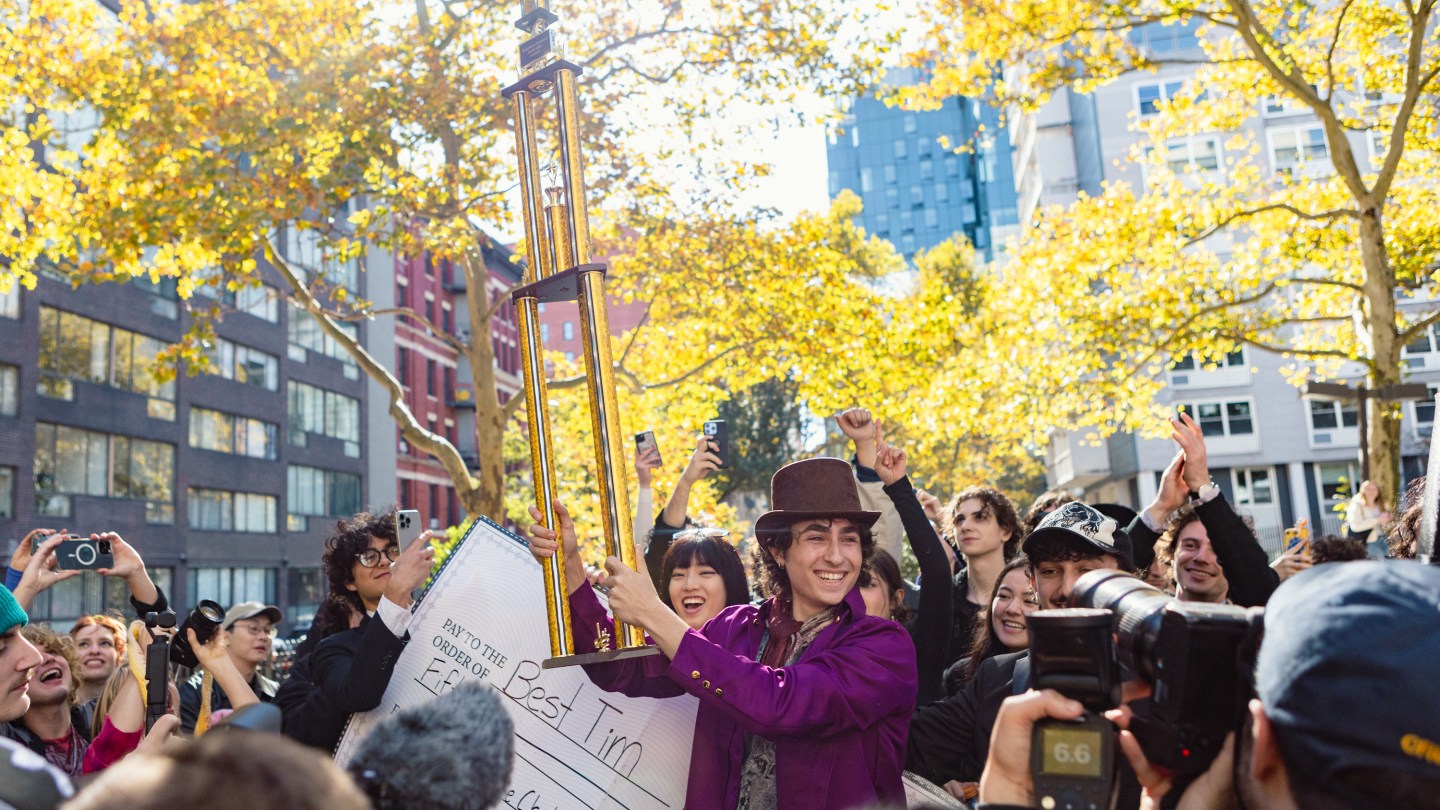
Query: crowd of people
[{"x": 822, "y": 674}]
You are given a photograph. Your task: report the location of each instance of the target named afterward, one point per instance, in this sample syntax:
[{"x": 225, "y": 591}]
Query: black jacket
[
  {"x": 347, "y": 673},
  {"x": 1246, "y": 566},
  {"x": 263, "y": 687},
  {"x": 950, "y": 738}
]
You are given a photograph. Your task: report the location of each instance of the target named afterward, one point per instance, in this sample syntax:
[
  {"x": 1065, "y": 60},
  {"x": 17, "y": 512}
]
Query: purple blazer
[{"x": 839, "y": 717}]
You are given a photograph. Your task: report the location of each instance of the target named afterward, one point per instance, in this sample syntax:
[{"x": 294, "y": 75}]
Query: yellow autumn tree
[
  {"x": 187, "y": 139},
  {"x": 1311, "y": 265}
]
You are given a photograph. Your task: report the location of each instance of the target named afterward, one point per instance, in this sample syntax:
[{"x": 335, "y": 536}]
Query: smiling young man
[
  {"x": 53, "y": 727},
  {"x": 950, "y": 738},
  {"x": 249, "y": 629},
  {"x": 804, "y": 700}
]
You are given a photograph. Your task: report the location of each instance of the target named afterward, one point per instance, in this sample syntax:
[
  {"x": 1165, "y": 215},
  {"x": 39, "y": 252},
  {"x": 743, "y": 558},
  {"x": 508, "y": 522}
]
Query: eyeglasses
[
  {"x": 255, "y": 629},
  {"x": 371, "y": 558}
]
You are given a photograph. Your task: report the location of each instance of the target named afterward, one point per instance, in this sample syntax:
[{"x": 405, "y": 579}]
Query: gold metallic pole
[
  {"x": 559, "y": 238},
  {"x": 595, "y": 338},
  {"x": 542, "y": 458}
]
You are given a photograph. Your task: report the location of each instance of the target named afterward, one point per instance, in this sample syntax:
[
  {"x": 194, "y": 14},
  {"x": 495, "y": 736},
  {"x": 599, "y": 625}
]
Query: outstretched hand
[
  {"x": 645, "y": 464},
  {"x": 23, "y": 552},
  {"x": 864, "y": 430},
  {"x": 890, "y": 464},
  {"x": 1188, "y": 434},
  {"x": 42, "y": 571},
  {"x": 704, "y": 461}
]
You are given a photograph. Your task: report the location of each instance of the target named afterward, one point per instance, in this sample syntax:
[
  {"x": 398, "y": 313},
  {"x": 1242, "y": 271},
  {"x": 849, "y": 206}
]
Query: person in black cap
[
  {"x": 950, "y": 738},
  {"x": 1347, "y": 687}
]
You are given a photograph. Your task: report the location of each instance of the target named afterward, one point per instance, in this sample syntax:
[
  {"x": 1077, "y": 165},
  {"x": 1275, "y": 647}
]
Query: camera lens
[
  {"x": 1138, "y": 608},
  {"x": 104, "y": 546},
  {"x": 205, "y": 620}
]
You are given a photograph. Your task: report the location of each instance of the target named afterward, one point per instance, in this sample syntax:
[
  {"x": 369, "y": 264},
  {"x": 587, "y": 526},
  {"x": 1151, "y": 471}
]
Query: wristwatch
[{"x": 1206, "y": 493}]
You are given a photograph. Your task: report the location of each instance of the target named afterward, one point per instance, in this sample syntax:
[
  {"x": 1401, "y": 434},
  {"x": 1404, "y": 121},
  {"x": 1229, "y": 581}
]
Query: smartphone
[
  {"x": 715, "y": 431},
  {"x": 645, "y": 441},
  {"x": 84, "y": 555},
  {"x": 407, "y": 527},
  {"x": 1296, "y": 538}
]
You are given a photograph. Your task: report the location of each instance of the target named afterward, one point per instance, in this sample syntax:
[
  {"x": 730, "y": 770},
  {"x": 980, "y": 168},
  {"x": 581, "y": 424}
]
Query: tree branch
[
  {"x": 410, "y": 427},
  {"x": 1184, "y": 326},
  {"x": 1414, "y": 330},
  {"x": 1325, "y": 282},
  {"x": 407, "y": 312},
  {"x": 1250, "y": 212},
  {"x": 1291, "y": 350},
  {"x": 1330, "y": 52}
]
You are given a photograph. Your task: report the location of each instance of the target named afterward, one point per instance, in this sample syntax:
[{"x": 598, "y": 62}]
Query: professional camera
[
  {"x": 1197, "y": 657},
  {"x": 157, "y": 665},
  {"x": 205, "y": 619},
  {"x": 1072, "y": 762}
]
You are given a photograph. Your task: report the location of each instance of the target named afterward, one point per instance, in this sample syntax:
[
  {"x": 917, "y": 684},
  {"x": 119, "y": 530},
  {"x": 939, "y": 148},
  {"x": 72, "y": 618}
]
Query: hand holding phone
[
  {"x": 719, "y": 436},
  {"x": 645, "y": 443},
  {"x": 79, "y": 554}
]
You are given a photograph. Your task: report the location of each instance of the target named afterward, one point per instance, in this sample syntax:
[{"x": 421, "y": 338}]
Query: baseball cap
[
  {"x": 1350, "y": 666},
  {"x": 249, "y": 610},
  {"x": 1078, "y": 521}
]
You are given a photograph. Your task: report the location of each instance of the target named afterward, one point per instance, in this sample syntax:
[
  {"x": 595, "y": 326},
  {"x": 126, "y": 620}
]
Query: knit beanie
[{"x": 11, "y": 614}]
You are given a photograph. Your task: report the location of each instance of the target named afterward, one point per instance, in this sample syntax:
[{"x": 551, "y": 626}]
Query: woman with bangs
[
  {"x": 703, "y": 576},
  {"x": 804, "y": 700}
]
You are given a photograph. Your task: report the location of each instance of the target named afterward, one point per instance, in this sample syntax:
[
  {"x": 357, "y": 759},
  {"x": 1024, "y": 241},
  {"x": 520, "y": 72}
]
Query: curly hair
[
  {"x": 53, "y": 643},
  {"x": 115, "y": 627},
  {"x": 997, "y": 504},
  {"x": 342, "y": 550},
  {"x": 1045, "y": 504},
  {"x": 885, "y": 567},
  {"x": 1404, "y": 529},
  {"x": 1175, "y": 523},
  {"x": 773, "y": 579},
  {"x": 714, "y": 552},
  {"x": 1332, "y": 548}
]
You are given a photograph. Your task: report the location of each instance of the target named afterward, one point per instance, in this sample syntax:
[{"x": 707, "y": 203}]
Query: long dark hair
[
  {"x": 342, "y": 550},
  {"x": 983, "y": 642},
  {"x": 885, "y": 567},
  {"x": 714, "y": 552},
  {"x": 773, "y": 579}
]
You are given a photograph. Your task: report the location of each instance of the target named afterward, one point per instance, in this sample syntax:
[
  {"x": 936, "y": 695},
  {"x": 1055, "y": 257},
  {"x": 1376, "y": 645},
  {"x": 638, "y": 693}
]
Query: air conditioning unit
[
  {"x": 1179, "y": 379},
  {"x": 1323, "y": 437}
]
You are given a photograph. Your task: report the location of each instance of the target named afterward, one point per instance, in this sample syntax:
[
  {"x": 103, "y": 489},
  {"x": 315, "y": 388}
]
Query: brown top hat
[{"x": 815, "y": 487}]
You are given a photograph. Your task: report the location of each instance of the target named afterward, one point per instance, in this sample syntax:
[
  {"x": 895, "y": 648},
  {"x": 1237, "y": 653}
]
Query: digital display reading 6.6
[{"x": 1071, "y": 751}]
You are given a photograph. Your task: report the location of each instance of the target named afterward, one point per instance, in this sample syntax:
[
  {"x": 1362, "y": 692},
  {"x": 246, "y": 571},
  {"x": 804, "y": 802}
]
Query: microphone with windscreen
[{"x": 450, "y": 753}]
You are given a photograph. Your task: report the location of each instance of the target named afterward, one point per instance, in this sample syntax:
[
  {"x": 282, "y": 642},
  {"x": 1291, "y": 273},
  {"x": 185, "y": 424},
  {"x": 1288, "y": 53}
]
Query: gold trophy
[{"x": 558, "y": 236}]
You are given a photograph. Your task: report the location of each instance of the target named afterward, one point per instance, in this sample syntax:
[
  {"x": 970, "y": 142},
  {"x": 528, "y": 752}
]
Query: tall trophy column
[{"x": 558, "y": 237}]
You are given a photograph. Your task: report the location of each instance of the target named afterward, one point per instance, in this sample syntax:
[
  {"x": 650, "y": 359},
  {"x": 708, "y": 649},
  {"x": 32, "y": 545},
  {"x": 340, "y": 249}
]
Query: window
[
  {"x": 227, "y": 433},
  {"x": 10, "y": 302},
  {"x": 245, "y": 365},
  {"x": 867, "y": 180},
  {"x": 76, "y": 348},
  {"x": 1253, "y": 486},
  {"x": 251, "y": 299},
  {"x": 890, "y": 174},
  {"x": 1158, "y": 37},
  {"x": 1331, "y": 415},
  {"x": 1284, "y": 104},
  {"x": 326, "y": 413},
  {"x": 892, "y": 197},
  {"x": 304, "y": 332},
  {"x": 900, "y": 149},
  {"x": 7, "y": 493},
  {"x": 834, "y": 182},
  {"x": 882, "y": 223},
  {"x": 9, "y": 390},
  {"x": 88, "y": 593},
  {"x": 932, "y": 220},
  {"x": 917, "y": 195},
  {"x": 402, "y": 366},
  {"x": 1336, "y": 481},
  {"x": 854, "y": 135},
  {"x": 952, "y": 166},
  {"x": 1199, "y": 154},
  {"x": 1149, "y": 96},
  {"x": 569, "y": 357},
  {"x": 942, "y": 193},
  {"x": 219, "y": 511},
  {"x": 1191, "y": 362},
  {"x": 304, "y": 247},
  {"x": 323, "y": 493},
  {"x": 567, "y": 330},
  {"x": 1425, "y": 413},
  {"x": 231, "y": 585},
  {"x": 927, "y": 169},
  {"x": 70, "y": 461},
  {"x": 1231, "y": 418},
  {"x": 545, "y": 332},
  {"x": 911, "y": 124},
  {"x": 1427, "y": 342},
  {"x": 430, "y": 377},
  {"x": 1298, "y": 148}
]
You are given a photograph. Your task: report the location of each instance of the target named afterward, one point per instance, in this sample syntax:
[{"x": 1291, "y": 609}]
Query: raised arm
[{"x": 932, "y": 626}]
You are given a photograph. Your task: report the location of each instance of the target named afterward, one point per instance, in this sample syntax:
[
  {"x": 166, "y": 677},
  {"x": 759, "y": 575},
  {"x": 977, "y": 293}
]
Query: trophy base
[{"x": 599, "y": 657}]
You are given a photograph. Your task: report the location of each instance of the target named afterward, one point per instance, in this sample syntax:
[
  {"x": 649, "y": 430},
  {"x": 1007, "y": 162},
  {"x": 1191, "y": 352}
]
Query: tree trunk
[
  {"x": 1378, "y": 330},
  {"x": 488, "y": 497}
]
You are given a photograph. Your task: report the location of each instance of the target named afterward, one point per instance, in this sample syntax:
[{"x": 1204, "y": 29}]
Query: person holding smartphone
[{"x": 372, "y": 577}]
